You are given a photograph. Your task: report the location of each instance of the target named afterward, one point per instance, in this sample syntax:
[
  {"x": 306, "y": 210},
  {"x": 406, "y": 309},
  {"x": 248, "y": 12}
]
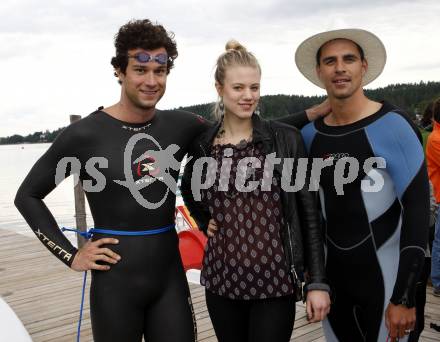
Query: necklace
[
  {"x": 220, "y": 137},
  {"x": 250, "y": 172}
]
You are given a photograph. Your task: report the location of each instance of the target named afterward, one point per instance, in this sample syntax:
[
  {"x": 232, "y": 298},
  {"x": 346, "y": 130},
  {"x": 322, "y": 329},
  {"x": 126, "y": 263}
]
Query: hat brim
[{"x": 374, "y": 52}]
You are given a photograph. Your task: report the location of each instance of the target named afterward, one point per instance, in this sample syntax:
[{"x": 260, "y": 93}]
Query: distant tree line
[
  {"x": 411, "y": 97},
  {"x": 37, "y": 137}
]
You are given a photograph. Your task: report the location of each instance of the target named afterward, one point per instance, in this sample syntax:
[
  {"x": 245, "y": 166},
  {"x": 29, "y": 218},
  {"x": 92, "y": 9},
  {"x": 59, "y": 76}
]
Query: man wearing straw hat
[{"x": 373, "y": 189}]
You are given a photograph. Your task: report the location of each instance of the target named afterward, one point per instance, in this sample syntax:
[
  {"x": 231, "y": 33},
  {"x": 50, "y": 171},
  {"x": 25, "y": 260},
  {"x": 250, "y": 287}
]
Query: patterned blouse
[{"x": 245, "y": 258}]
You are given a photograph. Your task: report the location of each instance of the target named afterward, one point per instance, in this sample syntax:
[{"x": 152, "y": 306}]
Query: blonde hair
[{"x": 235, "y": 54}]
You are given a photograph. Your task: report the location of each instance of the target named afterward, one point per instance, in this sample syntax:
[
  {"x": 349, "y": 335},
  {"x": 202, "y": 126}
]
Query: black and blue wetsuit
[
  {"x": 146, "y": 293},
  {"x": 375, "y": 239}
]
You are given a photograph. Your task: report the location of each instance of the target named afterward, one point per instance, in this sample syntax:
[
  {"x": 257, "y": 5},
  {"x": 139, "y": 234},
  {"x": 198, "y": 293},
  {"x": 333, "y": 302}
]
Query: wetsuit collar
[{"x": 130, "y": 125}]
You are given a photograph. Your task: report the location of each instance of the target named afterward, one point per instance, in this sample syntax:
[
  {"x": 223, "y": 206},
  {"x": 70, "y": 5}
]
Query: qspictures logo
[{"x": 156, "y": 165}]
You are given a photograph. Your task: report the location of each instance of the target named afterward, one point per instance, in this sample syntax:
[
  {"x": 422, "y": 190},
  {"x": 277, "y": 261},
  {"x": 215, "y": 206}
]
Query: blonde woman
[{"x": 260, "y": 241}]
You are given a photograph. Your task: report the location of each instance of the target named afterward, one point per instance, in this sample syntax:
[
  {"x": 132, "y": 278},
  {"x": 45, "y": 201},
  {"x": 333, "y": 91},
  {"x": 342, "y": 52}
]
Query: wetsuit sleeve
[
  {"x": 29, "y": 199},
  {"x": 298, "y": 120},
  {"x": 415, "y": 222},
  {"x": 197, "y": 209},
  {"x": 394, "y": 138}
]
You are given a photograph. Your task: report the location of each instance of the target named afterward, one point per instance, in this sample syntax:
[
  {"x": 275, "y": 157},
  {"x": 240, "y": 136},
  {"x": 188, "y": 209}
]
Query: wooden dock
[{"x": 46, "y": 296}]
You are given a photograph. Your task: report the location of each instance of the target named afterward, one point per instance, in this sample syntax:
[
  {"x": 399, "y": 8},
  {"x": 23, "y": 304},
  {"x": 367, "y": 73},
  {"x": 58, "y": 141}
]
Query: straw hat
[{"x": 374, "y": 51}]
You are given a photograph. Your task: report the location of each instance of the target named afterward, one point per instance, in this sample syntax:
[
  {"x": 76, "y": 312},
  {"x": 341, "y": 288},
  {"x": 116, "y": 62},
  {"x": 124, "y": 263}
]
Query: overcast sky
[{"x": 55, "y": 54}]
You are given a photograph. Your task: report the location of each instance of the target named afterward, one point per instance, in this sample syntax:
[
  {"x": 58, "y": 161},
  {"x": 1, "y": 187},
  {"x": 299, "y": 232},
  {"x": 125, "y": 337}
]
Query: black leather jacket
[{"x": 302, "y": 233}]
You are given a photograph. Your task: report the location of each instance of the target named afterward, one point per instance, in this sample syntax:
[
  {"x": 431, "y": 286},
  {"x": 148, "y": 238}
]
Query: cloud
[
  {"x": 423, "y": 66},
  {"x": 55, "y": 54}
]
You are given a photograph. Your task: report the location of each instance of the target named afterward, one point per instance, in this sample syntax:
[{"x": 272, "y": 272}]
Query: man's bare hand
[
  {"x": 92, "y": 252},
  {"x": 212, "y": 228},
  {"x": 319, "y": 110},
  {"x": 317, "y": 305},
  {"x": 399, "y": 320}
]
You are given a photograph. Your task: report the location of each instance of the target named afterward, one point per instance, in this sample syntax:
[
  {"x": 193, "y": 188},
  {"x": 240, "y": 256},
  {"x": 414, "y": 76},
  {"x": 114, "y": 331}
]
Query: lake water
[{"x": 16, "y": 162}]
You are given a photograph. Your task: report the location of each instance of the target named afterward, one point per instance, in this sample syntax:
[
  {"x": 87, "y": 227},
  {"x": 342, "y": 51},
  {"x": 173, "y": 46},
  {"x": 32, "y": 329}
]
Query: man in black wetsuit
[
  {"x": 373, "y": 189},
  {"x": 127, "y": 157}
]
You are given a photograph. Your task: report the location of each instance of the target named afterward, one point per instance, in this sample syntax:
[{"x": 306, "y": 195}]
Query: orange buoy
[{"x": 192, "y": 245}]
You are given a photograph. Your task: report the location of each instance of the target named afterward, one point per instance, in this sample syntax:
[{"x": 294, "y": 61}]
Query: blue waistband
[{"x": 88, "y": 234}]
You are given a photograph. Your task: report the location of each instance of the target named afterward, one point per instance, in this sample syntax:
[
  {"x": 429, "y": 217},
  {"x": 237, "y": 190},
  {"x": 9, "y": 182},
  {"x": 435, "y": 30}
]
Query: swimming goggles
[{"x": 143, "y": 57}]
